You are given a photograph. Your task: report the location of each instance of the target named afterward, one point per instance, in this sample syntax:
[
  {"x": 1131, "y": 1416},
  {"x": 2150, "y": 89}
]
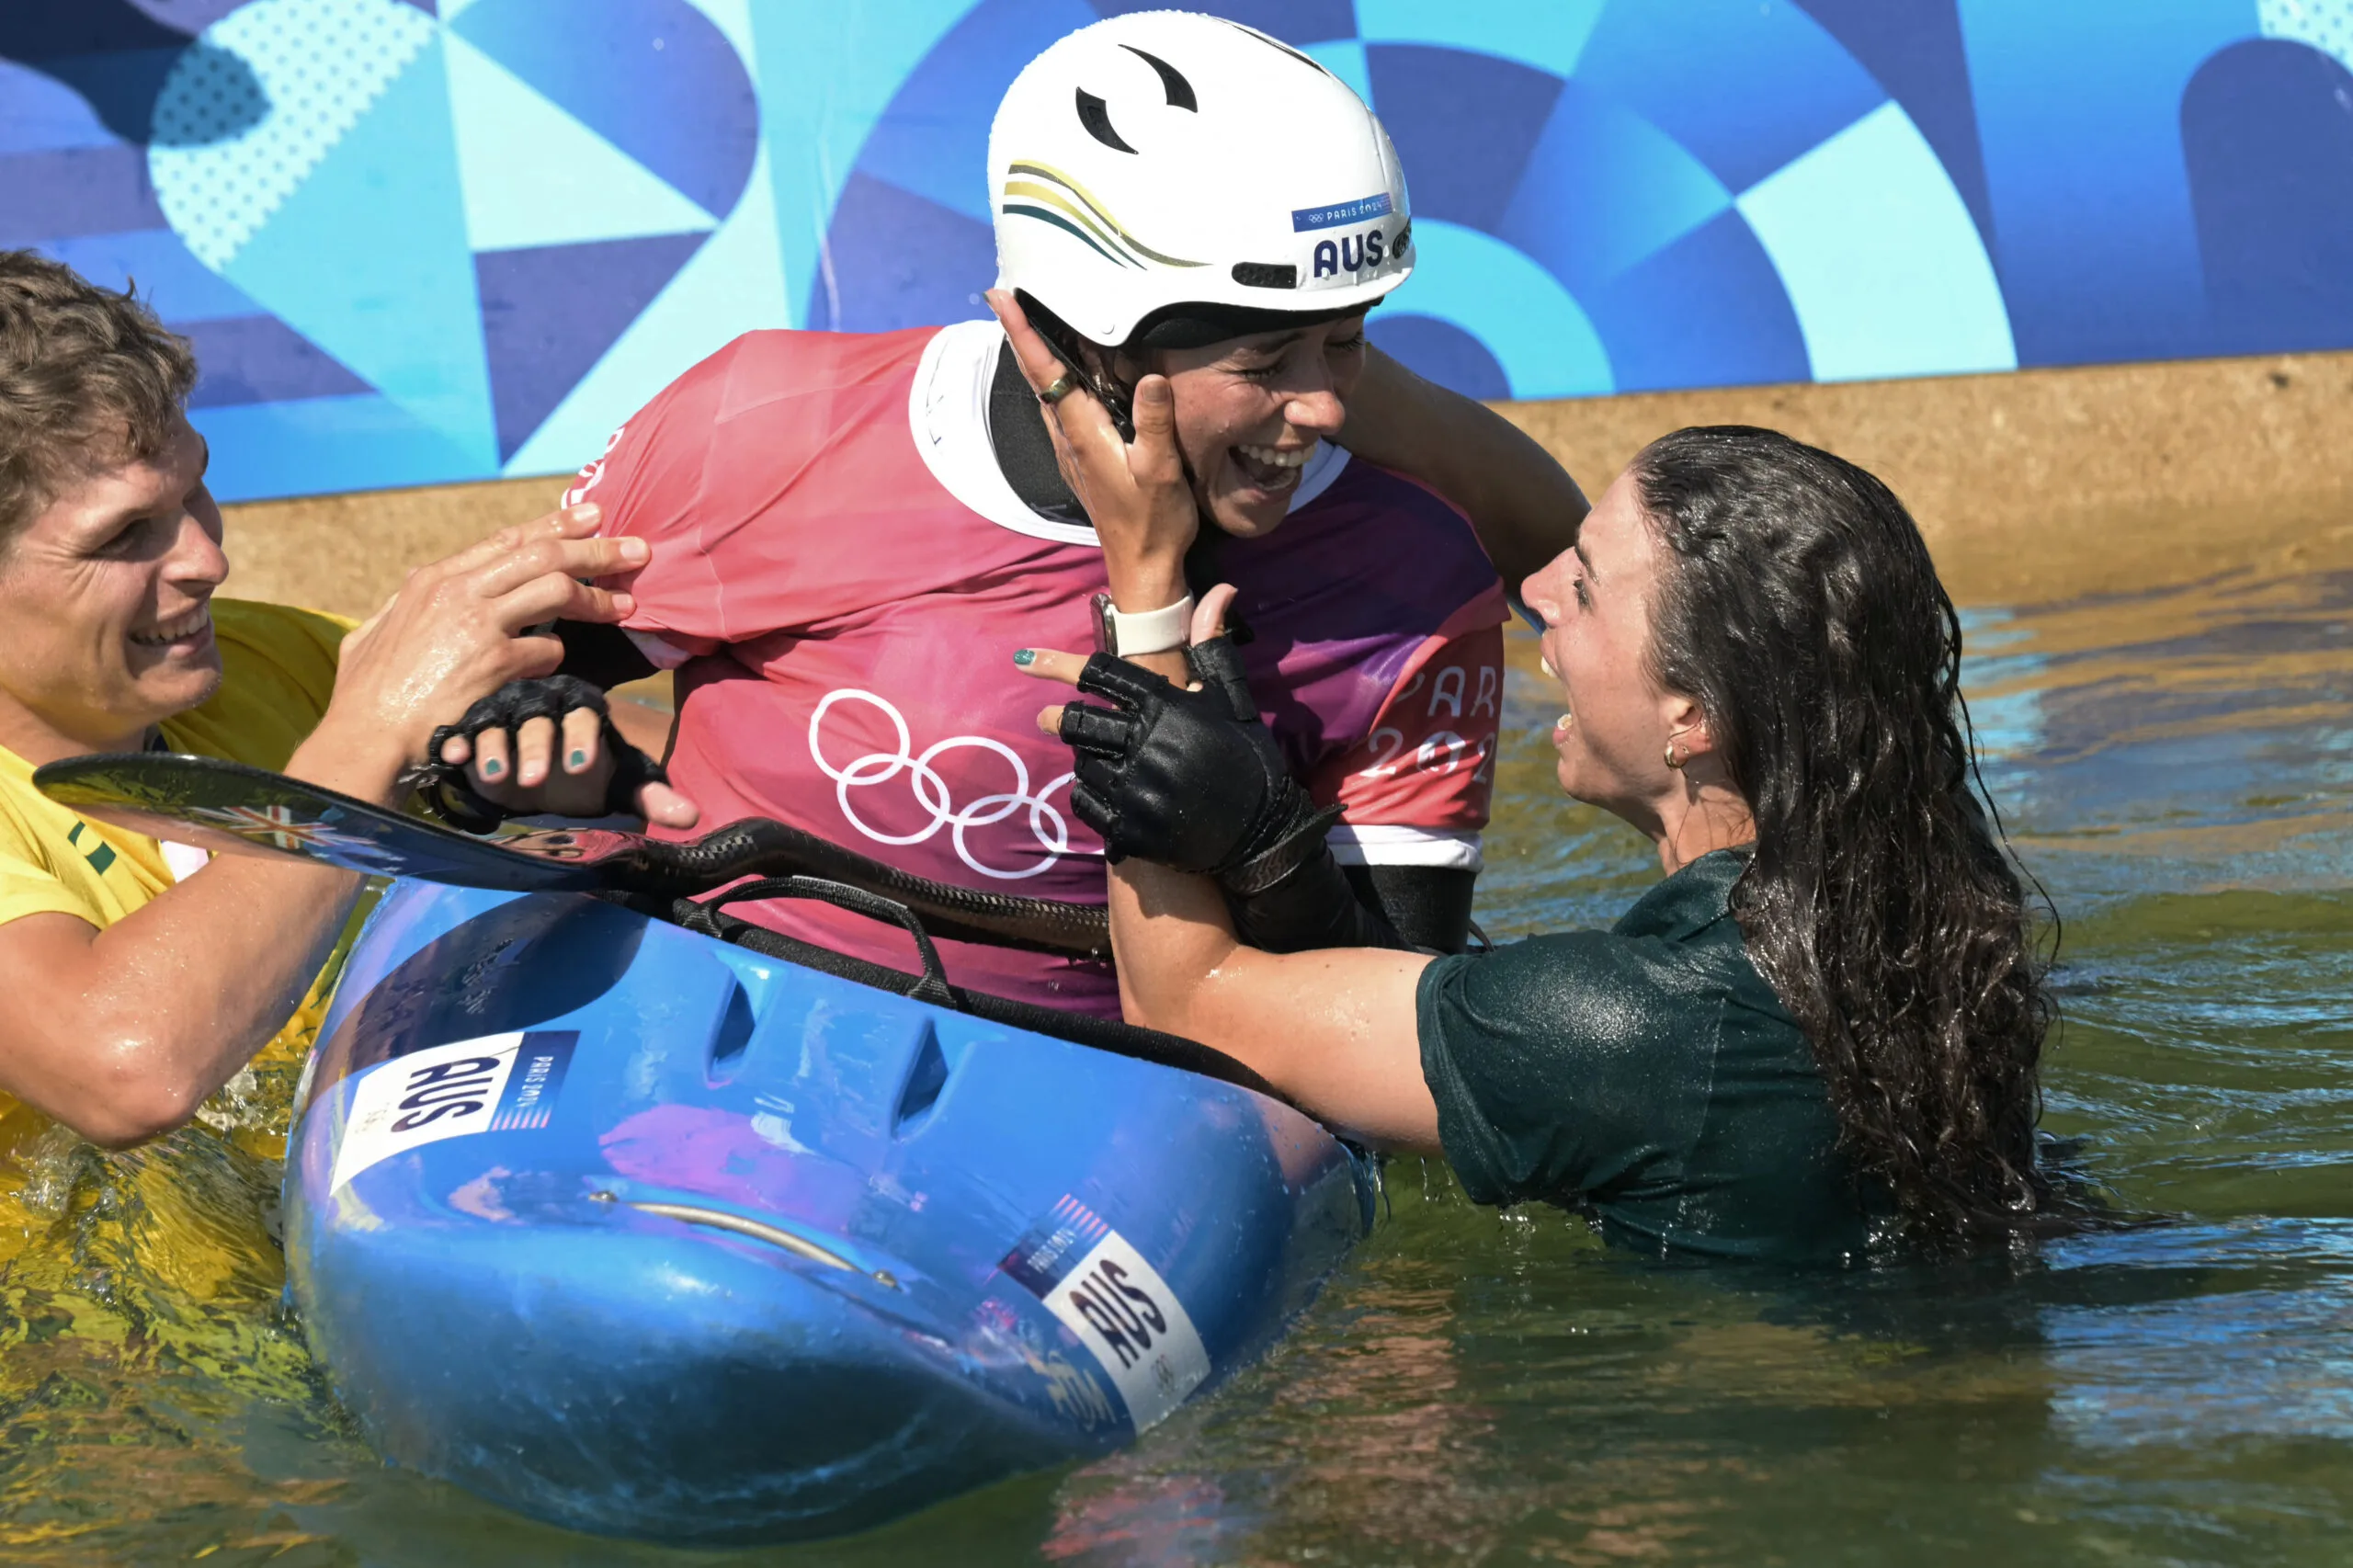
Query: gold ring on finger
[{"x": 1063, "y": 385}]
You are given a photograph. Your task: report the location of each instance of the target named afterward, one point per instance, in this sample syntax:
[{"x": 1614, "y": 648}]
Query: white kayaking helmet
[{"x": 1178, "y": 178}]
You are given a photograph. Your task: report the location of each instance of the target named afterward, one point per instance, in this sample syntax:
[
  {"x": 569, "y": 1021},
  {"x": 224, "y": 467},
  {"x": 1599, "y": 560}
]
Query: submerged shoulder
[
  {"x": 1632, "y": 1071},
  {"x": 1584, "y": 999},
  {"x": 1563, "y": 1065}
]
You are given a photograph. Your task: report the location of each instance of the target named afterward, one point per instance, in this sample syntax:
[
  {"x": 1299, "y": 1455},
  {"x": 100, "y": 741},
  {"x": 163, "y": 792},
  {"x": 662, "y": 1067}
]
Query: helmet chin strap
[{"x": 1024, "y": 450}]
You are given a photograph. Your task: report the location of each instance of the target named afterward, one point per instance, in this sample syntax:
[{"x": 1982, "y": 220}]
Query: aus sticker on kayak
[
  {"x": 495, "y": 1084},
  {"x": 1117, "y": 1304}
]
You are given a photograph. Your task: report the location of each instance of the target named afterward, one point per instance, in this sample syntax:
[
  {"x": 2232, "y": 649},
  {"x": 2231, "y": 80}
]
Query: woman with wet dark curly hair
[
  {"x": 1799, "y": 609},
  {"x": 1820, "y": 1031}
]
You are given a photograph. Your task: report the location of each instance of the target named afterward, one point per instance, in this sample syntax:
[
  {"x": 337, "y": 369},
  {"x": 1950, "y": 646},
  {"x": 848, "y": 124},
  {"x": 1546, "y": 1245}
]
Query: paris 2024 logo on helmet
[{"x": 1167, "y": 158}]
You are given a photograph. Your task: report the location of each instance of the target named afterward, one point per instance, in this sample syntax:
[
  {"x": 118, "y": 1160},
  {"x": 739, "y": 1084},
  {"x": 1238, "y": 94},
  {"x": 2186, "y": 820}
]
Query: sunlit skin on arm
[
  {"x": 1334, "y": 1027},
  {"x": 120, "y": 1033}
]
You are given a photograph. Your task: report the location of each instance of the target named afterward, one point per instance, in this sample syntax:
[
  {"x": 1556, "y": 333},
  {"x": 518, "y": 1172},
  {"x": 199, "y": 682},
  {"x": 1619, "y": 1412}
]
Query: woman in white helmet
[
  {"x": 1154, "y": 131},
  {"x": 838, "y": 520}
]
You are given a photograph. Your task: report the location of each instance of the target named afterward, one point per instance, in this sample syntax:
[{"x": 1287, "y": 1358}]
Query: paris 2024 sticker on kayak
[
  {"x": 492, "y": 1084},
  {"x": 1117, "y": 1304}
]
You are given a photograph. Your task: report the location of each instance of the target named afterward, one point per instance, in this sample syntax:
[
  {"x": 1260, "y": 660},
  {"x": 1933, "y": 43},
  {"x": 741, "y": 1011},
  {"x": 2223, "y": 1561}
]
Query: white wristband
[{"x": 1151, "y": 631}]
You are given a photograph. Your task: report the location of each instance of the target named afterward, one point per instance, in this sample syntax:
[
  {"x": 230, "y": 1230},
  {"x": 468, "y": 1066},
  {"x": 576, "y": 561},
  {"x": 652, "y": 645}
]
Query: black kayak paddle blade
[
  {"x": 231, "y": 809},
  {"x": 234, "y": 809}
]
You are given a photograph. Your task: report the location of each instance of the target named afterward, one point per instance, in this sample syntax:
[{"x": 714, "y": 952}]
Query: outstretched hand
[{"x": 1137, "y": 494}]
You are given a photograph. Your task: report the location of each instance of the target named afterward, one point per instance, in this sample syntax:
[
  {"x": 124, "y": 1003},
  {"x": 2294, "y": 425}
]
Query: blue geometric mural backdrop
[{"x": 416, "y": 241}]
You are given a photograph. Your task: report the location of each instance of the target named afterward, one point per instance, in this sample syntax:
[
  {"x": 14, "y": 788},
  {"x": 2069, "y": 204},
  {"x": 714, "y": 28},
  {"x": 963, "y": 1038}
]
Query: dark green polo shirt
[{"x": 1647, "y": 1073}]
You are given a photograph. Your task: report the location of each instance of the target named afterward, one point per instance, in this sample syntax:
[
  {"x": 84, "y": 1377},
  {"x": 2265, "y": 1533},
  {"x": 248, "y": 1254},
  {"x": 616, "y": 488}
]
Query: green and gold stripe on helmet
[{"x": 1090, "y": 225}]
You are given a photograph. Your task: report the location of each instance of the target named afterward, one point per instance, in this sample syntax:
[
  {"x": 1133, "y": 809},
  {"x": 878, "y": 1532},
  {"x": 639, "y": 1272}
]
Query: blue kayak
[{"x": 644, "y": 1232}]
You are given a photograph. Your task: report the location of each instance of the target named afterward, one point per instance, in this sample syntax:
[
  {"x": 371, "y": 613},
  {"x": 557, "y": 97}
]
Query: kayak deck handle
[
  {"x": 932, "y": 987},
  {"x": 759, "y": 1231}
]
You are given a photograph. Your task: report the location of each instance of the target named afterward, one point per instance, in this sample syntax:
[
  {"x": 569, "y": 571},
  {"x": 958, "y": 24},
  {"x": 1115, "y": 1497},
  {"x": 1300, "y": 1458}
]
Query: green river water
[{"x": 1492, "y": 1388}]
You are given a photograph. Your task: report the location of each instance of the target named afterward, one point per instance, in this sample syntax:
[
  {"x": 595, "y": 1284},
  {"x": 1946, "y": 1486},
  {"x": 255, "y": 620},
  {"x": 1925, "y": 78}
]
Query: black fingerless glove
[
  {"x": 441, "y": 787},
  {"x": 1192, "y": 780}
]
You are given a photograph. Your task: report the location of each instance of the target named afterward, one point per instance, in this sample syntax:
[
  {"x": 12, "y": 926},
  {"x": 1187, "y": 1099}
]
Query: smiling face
[
  {"x": 1251, "y": 409},
  {"x": 1595, "y": 602},
  {"x": 107, "y": 596}
]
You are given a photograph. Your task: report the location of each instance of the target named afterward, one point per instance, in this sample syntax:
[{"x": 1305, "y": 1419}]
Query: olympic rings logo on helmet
[{"x": 1047, "y": 824}]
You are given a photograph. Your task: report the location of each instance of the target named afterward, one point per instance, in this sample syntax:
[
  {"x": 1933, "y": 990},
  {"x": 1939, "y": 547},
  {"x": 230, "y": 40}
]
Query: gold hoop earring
[{"x": 1672, "y": 760}]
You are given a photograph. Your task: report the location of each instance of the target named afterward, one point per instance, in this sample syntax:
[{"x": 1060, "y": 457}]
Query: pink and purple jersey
[{"x": 841, "y": 575}]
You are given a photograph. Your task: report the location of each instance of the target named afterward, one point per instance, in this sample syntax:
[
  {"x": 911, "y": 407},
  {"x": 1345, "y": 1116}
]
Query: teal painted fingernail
[
  {"x": 1025, "y": 657},
  {"x": 579, "y": 759},
  {"x": 493, "y": 767}
]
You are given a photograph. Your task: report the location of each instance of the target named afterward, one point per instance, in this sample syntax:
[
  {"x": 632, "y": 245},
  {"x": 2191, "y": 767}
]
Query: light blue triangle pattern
[
  {"x": 369, "y": 258},
  {"x": 733, "y": 284},
  {"x": 320, "y": 63},
  {"x": 534, "y": 176}
]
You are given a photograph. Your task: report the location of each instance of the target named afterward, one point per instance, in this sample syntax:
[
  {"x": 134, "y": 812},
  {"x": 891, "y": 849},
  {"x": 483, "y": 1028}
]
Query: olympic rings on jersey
[{"x": 1047, "y": 824}]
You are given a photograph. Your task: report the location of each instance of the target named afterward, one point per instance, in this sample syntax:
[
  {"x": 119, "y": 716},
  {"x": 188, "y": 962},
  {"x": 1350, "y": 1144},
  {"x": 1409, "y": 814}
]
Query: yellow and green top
[{"x": 277, "y": 672}]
